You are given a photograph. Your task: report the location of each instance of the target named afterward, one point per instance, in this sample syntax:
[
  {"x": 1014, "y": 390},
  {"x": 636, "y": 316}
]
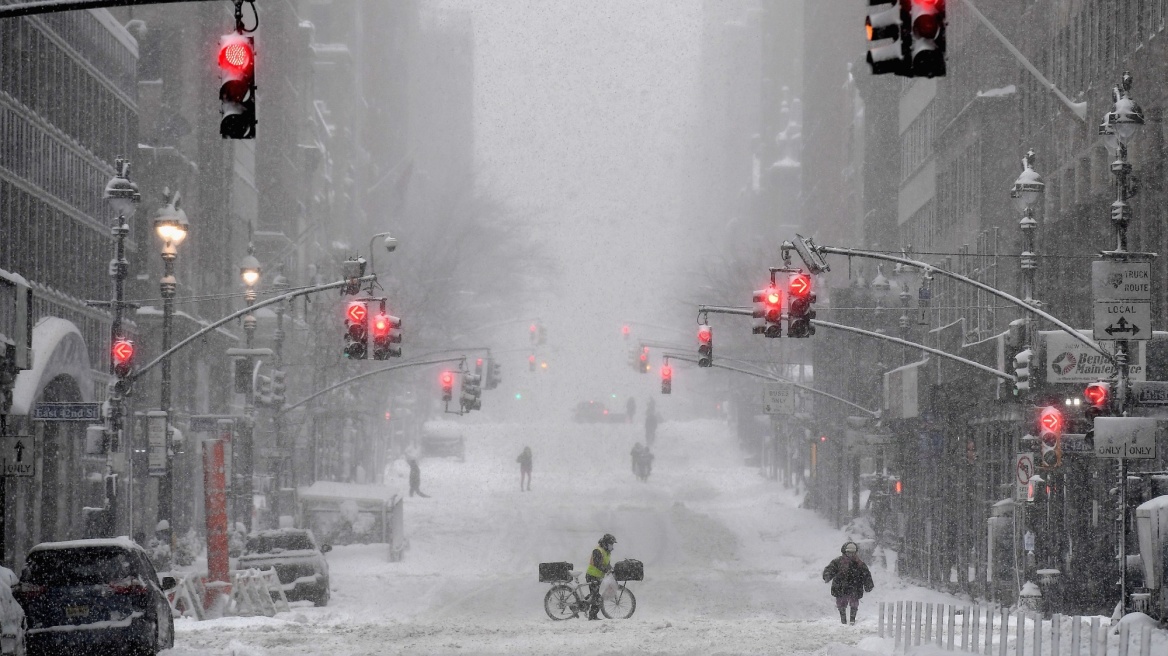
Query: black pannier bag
[
  {"x": 555, "y": 572},
  {"x": 629, "y": 569}
]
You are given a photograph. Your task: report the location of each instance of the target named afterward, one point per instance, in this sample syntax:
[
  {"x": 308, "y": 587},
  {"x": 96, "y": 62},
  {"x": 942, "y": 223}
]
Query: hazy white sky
[{"x": 584, "y": 111}]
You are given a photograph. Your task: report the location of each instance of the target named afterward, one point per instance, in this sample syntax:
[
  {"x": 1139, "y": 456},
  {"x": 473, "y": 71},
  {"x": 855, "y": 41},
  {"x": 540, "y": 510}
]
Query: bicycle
[{"x": 564, "y": 602}]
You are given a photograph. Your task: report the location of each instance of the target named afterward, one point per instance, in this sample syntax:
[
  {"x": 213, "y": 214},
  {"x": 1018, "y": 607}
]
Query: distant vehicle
[
  {"x": 588, "y": 412},
  {"x": 299, "y": 563},
  {"x": 101, "y": 593},
  {"x": 440, "y": 441},
  {"x": 11, "y": 615}
]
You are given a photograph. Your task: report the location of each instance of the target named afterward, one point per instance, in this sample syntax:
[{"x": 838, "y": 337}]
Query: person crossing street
[{"x": 850, "y": 578}]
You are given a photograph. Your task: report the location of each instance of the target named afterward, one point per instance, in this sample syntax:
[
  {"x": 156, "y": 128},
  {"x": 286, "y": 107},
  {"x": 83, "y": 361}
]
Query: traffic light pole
[
  {"x": 982, "y": 286},
  {"x": 367, "y": 374},
  {"x": 235, "y": 315},
  {"x": 875, "y": 414}
]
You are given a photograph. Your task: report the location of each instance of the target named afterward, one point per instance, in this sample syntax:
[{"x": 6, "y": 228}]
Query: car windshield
[
  {"x": 277, "y": 543},
  {"x": 78, "y": 566}
]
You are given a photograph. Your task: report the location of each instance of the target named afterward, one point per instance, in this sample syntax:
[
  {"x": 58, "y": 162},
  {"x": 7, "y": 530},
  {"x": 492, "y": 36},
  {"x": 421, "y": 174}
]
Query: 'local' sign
[
  {"x": 17, "y": 455},
  {"x": 1125, "y": 437},
  {"x": 1123, "y": 320}
]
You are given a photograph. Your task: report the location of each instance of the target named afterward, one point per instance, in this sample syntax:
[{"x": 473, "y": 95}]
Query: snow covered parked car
[
  {"x": 11, "y": 615},
  {"x": 87, "y": 594},
  {"x": 299, "y": 563}
]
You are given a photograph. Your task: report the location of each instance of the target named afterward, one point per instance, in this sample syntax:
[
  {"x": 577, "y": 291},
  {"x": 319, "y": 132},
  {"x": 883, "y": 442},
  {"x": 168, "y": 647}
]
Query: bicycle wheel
[
  {"x": 558, "y": 602},
  {"x": 621, "y": 606}
]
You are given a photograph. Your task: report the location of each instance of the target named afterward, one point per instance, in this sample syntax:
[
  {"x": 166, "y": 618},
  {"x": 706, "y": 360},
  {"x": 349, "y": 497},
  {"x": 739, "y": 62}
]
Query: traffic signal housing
[
  {"x": 705, "y": 346},
  {"x": 885, "y": 23},
  {"x": 768, "y": 312},
  {"x": 279, "y": 387},
  {"x": 643, "y": 361},
  {"x": 386, "y": 334},
  {"x": 356, "y": 330},
  {"x": 666, "y": 379},
  {"x": 1098, "y": 396},
  {"x": 1022, "y": 380},
  {"x": 1050, "y": 436},
  {"x": 531, "y": 362},
  {"x": 472, "y": 392},
  {"x": 122, "y": 355},
  {"x": 927, "y": 42},
  {"x": 493, "y": 375},
  {"x": 447, "y": 380},
  {"x": 237, "y": 90},
  {"x": 799, "y": 311}
]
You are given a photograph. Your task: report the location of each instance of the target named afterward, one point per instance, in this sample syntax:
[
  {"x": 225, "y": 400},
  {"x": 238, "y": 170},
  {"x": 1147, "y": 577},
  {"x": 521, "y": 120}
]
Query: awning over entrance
[{"x": 58, "y": 350}]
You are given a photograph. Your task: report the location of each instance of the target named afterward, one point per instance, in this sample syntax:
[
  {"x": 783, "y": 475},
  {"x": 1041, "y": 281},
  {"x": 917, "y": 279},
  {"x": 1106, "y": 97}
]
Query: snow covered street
[{"x": 731, "y": 564}]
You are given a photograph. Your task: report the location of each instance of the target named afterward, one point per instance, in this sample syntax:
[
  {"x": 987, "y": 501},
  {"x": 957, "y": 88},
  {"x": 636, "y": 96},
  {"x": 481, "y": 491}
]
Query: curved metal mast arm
[{"x": 403, "y": 365}]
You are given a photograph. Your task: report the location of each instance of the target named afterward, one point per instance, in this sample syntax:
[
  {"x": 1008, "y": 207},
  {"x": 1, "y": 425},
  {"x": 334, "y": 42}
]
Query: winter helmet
[
  {"x": 849, "y": 547},
  {"x": 607, "y": 540}
]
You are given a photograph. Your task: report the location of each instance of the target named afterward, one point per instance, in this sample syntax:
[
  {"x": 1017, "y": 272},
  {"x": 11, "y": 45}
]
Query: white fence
[
  {"x": 252, "y": 592},
  {"x": 994, "y": 631}
]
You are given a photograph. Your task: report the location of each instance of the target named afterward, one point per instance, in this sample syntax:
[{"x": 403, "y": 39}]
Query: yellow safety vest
[{"x": 592, "y": 571}]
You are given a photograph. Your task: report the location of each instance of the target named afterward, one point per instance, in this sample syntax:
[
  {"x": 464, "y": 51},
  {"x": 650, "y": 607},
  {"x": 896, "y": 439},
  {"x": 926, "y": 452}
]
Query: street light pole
[
  {"x": 249, "y": 271},
  {"x": 1117, "y": 129},
  {"x": 171, "y": 224},
  {"x": 122, "y": 197}
]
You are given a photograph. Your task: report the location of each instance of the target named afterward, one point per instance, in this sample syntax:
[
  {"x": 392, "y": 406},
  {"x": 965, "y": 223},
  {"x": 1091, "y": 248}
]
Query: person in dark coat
[
  {"x": 416, "y": 479},
  {"x": 850, "y": 578},
  {"x": 524, "y": 461}
]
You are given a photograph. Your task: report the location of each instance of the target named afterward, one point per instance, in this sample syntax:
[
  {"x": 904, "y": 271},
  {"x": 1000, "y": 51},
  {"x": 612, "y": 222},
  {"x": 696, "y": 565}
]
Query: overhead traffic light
[
  {"x": 885, "y": 22},
  {"x": 534, "y": 333},
  {"x": 666, "y": 379},
  {"x": 447, "y": 380},
  {"x": 494, "y": 376},
  {"x": 356, "y": 330},
  {"x": 237, "y": 90},
  {"x": 472, "y": 392},
  {"x": 386, "y": 334},
  {"x": 768, "y": 312},
  {"x": 927, "y": 44},
  {"x": 799, "y": 311},
  {"x": 279, "y": 387},
  {"x": 643, "y": 360},
  {"x": 1098, "y": 396},
  {"x": 531, "y": 362},
  {"x": 262, "y": 391},
  {"x": 1022, "y": 372},
  {"x": 122, "y": 354},
  {"x": 1050, "y": 436},
  {"x": 625, "y": 331},
  {"x": 705, "y": 346}
]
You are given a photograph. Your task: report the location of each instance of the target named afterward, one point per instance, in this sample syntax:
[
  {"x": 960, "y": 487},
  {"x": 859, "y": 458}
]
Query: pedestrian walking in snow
[
  {"x": 524, "y": 461},
  {"x": 850, "y": 578},
  {"x": 416, "y": 479}
]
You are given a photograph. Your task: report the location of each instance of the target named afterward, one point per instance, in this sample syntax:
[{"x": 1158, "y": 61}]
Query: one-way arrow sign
[{"x": 12, "y": 448}]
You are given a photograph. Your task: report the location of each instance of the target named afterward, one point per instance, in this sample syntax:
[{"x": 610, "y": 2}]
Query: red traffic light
[
  {"x": 800, "y": 285},
  {"x": 447, "y": 379},
  {"x": 898, "y": 486},
  {"x": 625, "y": 331},
  {"x": 235, "y": 53},
  {"x": 1097, "y": 393},
  {"x": 380, "y": 326},
  {"x": 1050, "y": 420},
  {"x": 123, "y": 351},
  {"x": 533, "y": 328},
  {"x": 357, "y": 312},
  {"x": 772, "y": 296},
  {"x": 704, "y": 334},
  {"x": 667, "y": 372},
  {"x": 531, "y": 359}
]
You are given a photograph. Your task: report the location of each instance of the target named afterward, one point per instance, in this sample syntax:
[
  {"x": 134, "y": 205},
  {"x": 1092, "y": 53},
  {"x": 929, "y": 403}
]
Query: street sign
[
  {"x": 1068, "y": 361},
  {"x": 1150, "y": 392},
  {"x": 1121, "y": 281},
  {"x": 778, "y": 399},
  {"x": 67, "y": 411},
  {"x": 17, "y": 451},
  {"x": 1125, "y": 437},
  {"x": 156, "y": 421},
  {"x": 1023, "y": 470},
  {"x": 1123, "y": 320},
  {"x": 1028, "y": 541},
  {"x": 1076, "y": 443},
  {"x": 207, "y": 423}
]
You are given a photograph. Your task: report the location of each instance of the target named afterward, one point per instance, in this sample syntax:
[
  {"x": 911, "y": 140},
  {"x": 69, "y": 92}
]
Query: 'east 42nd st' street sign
[
  {"x": 67, "y": 411},
  {"x": 1125, "y": 437}
]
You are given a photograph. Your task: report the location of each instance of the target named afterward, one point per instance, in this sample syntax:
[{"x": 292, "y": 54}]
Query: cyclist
[{"x": 598, "y": 566}]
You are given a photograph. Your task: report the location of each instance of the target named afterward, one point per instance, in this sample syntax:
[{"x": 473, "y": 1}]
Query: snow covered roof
[
  {"x": 122, "y": 541},
  {"x": 334, "y": 491}
]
